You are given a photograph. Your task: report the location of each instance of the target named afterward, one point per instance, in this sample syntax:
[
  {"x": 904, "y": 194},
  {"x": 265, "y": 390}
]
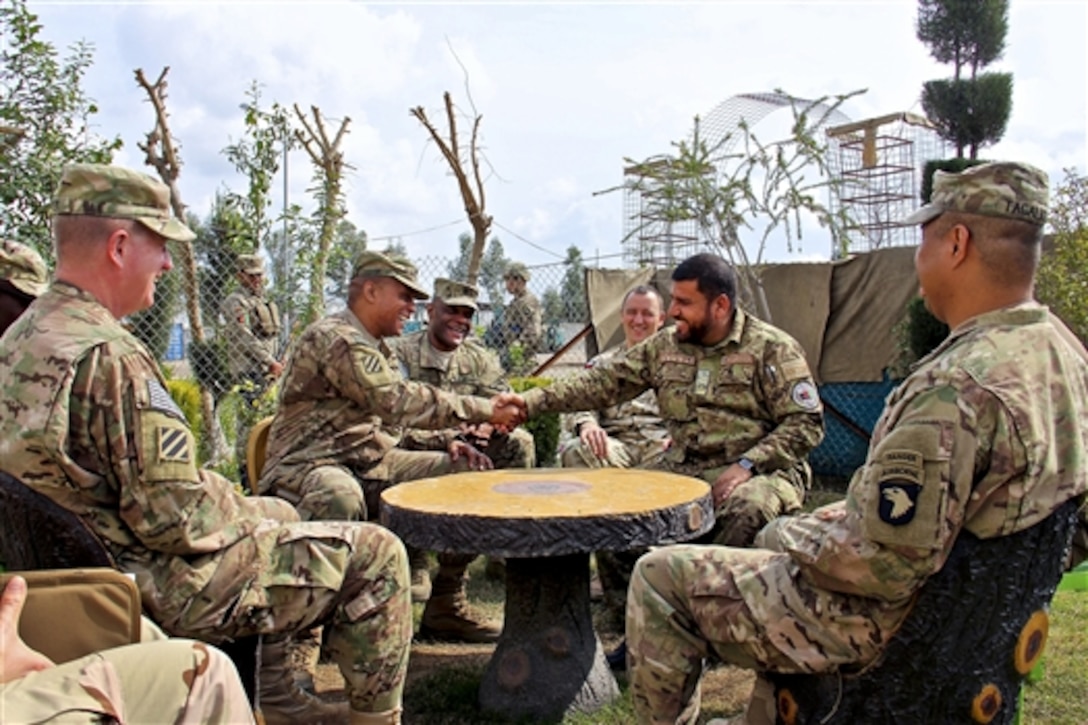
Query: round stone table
[{"x": 548, "y": 661}]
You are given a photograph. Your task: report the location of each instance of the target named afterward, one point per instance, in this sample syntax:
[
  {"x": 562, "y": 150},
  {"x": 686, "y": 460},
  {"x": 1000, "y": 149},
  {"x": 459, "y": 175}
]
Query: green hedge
[{"x": 544, "y": 427}]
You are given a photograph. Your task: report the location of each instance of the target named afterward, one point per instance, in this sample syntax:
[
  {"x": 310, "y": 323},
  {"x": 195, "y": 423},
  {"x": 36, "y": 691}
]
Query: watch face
[{"x": 746, "y": 464}]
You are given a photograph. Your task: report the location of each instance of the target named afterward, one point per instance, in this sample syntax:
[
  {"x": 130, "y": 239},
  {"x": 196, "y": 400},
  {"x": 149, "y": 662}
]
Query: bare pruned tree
[
  {"x": 329, "y": 166},
  {"x": 472, "y": 192},
  {"x": 161, "y": 153}
]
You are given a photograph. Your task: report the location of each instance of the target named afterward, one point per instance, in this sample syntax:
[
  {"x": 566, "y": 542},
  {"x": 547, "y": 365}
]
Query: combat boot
[
  {"x": 387, "y": 717},
  {"x": 446, "y": 616},
  {"x": 421, "y": 575},
  {"x": 281, "y": 700}
]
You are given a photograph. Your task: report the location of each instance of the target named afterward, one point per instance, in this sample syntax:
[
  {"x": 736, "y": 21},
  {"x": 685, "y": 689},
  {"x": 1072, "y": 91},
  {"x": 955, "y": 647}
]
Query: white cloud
[{"x": 566, "y": 91}]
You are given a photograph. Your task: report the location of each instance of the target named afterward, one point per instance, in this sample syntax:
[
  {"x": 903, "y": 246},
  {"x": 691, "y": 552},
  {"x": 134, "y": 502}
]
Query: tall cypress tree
[{"x": 971, "y": 109}]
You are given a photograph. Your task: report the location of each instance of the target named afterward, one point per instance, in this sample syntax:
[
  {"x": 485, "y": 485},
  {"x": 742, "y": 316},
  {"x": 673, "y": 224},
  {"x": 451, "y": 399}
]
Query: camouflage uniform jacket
[
  {"x": 253, "y": 328},
  {"x": 471, "y": 369},
  {"x": 751, "y": 395},
  {"x": 988, "y": 434},
  {"x": 635, "y": 423},
  {"x": 523, "y": 322},
  {"x": 88, "y": 422},
  {"x": 343, "y": 401}
]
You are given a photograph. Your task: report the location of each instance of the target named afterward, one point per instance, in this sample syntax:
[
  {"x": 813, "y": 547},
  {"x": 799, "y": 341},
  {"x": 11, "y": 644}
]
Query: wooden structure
[
  {"x": 976, "y": 630},
  {"x": 548, "y": 661}
]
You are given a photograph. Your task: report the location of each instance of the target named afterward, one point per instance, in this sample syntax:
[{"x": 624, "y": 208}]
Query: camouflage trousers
[
  {"x": 576, "y": 454},
  {"x": 333, "y": 493},
  {"x": 684, "y": 605},
  {"x": 351, "y": 578},
  {"x": 511, "y": 450},
  {"x": 190, "y": 682},
  {"x": 752, "y": 505}
]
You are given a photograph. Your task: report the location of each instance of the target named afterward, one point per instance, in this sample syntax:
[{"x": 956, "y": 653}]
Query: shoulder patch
[
  {"x": 373, "y": 368},
  {"x": 159, "y": 399},
  {"x": 173, "y": 445},
  {"x": 805, "y": 395}
]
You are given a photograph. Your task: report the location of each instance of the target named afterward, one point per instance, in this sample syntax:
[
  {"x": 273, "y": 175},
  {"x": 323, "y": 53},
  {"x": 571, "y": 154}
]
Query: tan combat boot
[
  {"x": 388, "y": 717},
  {"x": 421, "y": 575},
  {"x": 281, "y": 700},
  {"x": 446, "y": 616}
]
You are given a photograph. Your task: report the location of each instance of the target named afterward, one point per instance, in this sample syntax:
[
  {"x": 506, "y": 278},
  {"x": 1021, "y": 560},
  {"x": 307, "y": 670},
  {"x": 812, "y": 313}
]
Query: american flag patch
[
  {"x": 161, "y": 400},
  {"x": 173, "y": 445}
]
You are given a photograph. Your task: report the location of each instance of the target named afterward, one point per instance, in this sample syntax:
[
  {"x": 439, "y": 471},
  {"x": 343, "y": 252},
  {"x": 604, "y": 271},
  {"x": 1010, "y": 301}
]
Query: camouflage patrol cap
[
  {"x": 376, "y": 264},
  {"x": 999, "y": 189},
  {"x": 250, "y": 264},
  {"x": 119, "y": 193},
  {"x": 455, "y": 294},
  {"x": 23, "y": 268},
  {"x": 517, "y": 269}
]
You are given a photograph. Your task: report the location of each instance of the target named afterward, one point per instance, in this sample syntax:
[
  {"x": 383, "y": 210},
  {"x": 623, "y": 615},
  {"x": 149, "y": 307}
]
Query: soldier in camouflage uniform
[
  {"x": 22, "y": 278},
  {"x": 252, "y": 336},
  {"x": 190, "y": 682},
  {"x": 626, "y": 435},
  {"x": 338, "y": 438},
  {"x": 446, "y": 357},
  {"x": 522, "y": 320},
  {"x": 88, "y": 422},
  {"x": 630, "y": 434},
  {"x": 987, "y": 435},
  {"x": 735, "y": 393}
]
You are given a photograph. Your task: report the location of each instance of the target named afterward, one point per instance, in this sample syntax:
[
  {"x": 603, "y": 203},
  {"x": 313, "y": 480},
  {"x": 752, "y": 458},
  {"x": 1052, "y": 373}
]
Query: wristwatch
[{"x": 747, "y": 465}]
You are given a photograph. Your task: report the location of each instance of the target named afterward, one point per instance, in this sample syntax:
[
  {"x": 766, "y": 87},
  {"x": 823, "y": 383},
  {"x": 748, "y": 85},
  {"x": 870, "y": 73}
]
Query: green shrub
[
  {"x": 918, "y": 334},
  {"x": 186, "y": 393},
  {"x": 545, "y": 427}
]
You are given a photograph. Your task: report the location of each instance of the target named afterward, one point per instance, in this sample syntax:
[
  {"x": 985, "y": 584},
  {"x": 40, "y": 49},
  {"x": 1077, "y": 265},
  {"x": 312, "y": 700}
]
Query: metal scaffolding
[{"x": 878, "y": 166}]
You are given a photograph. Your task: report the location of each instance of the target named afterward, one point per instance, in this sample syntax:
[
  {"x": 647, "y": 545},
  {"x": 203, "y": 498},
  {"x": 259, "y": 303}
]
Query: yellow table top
[{"x": 546, "y": 493}]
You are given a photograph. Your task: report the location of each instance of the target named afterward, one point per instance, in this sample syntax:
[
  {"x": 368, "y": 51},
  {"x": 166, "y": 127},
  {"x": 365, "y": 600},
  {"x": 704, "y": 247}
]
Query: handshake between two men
[{"x": 510, "y": 411}]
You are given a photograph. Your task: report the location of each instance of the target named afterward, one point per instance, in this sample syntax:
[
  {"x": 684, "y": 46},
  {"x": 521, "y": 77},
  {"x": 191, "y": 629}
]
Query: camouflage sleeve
[
  {"x": 416, "y": 439},
  {"x": 793, "y": 402},
  {"x": 363, "y": 375},
  {"x": 491, "y": 380},
  {"x": 240, "y": 333},
  {"x": 621, "y": 379},
  {"x": 144, "y": 442},
  {"x": 906, "y": 507}
]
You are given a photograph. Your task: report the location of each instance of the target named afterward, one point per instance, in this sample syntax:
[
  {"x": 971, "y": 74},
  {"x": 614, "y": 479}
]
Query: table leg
[{"x": 548, "y": 661}]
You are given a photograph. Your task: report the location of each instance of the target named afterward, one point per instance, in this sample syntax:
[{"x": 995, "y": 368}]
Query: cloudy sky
[{"x": 566, "y": 90}]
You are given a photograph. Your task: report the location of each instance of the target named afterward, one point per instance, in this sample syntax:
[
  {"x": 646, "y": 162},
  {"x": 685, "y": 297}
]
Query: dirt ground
[{"x": 725, "y": 689}]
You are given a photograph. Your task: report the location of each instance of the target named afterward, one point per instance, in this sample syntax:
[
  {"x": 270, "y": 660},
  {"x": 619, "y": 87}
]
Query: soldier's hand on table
[
  {"x": 727, "y": 481},
  {"x": 16, "y": 658},
  {"x": 476, "y": 461},
  {"x": 594, "y": 437}
]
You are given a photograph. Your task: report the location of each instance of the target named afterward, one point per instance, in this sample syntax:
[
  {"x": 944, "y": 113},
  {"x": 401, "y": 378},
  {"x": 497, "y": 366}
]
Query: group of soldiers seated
[{"x": 719, "y": 395}]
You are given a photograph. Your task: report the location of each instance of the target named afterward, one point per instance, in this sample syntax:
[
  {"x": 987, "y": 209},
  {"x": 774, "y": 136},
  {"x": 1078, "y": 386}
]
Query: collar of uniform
[
  {"x": 67, "y": 289},
  {"x": 736, "y": 330},
  {"x": 348, "y": 316},
  {"x": 1024, "y": 313},
  {"x": 432, "y": 357}
]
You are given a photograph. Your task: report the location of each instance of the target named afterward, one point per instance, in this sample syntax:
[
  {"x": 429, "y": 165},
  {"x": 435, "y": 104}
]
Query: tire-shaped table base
[{"x": 548, "y": 661}]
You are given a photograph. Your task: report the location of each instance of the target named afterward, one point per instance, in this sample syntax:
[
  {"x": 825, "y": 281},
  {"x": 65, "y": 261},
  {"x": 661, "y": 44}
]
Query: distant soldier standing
[
  {"x": 252, "y": 338},
  {"x": 523, "y": 317}
]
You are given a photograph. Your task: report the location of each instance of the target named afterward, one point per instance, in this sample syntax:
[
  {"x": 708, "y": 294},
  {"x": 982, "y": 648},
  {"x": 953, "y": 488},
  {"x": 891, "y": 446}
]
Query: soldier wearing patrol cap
[
  {"x": 253, "y": 326},
  {"x": 338, "y": 437},
  {"x": 446, "y": 356},
  {"x": 978, "y": 439},
  {"x": 252, "y": 336},
  {"x": 23, "y": 277},
  {"x": 89, "y": 423},
  {"x": 522, "y": 320}
]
